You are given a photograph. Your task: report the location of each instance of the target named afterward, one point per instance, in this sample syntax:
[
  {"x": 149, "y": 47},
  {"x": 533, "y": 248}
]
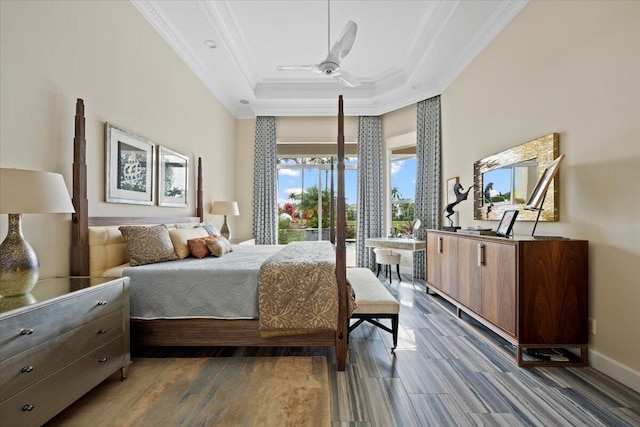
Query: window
[
  {"x": 304, "y": 192},
  {"x": 402, "y": 172}
]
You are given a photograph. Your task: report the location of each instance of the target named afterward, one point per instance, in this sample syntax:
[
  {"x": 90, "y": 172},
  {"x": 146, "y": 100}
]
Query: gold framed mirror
[{"x": 505, "y": 181}]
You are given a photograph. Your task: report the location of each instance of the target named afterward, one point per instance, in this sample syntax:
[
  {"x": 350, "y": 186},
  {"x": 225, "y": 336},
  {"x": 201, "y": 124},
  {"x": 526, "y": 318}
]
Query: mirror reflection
[
  {"x": 506, "y": 180},
  {"x": 510, "y": 184}
]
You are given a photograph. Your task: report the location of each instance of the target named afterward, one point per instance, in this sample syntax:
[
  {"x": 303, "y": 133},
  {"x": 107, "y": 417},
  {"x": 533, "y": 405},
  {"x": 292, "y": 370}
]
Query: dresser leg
[{"x": 123, "y": 373}]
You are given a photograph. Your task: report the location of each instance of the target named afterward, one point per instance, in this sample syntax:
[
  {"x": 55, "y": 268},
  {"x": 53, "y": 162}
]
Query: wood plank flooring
[
  {"x": 449, "y": 372},
  {"x": 208, "y": 391}
]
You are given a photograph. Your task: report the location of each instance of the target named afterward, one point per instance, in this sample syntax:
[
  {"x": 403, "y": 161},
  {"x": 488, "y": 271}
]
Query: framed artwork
[
  {"x": 173, "y": 178},
  {"x": 506, "y": 223},
  {"x": 130, "y": 160}
]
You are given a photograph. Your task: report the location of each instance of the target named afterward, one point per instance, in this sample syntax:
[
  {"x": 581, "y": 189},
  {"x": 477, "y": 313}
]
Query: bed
[{"x": 199, "y": 330}]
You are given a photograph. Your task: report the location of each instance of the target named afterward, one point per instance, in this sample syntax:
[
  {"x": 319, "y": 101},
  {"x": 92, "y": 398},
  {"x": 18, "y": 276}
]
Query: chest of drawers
[{"x": 57, "y": 348}]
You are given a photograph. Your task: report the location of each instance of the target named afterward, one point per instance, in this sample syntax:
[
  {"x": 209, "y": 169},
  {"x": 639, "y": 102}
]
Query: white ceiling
[{"x": 405, "y": 50}]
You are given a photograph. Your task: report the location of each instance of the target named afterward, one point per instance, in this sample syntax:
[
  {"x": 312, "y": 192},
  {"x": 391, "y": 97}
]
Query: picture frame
[
  {"x": 173, "y": 178},
  {"x": 539, "y": 192},
  {"x": 506, "y": 223},
  {"x": 129, "y": 168}
]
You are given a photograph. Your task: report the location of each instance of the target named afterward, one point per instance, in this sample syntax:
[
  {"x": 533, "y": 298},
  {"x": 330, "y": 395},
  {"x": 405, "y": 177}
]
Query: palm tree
[{"x": 395, "y": 194}]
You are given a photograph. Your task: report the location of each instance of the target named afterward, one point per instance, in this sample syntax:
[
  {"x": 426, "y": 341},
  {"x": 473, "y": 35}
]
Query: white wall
[
  {"x": 571, "y": 68},
  {"x": 53, "y": 52}
]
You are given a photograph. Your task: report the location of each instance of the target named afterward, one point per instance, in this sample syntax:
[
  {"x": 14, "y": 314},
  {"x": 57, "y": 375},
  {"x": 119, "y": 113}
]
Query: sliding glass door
[{"x": 304, "y": 198}]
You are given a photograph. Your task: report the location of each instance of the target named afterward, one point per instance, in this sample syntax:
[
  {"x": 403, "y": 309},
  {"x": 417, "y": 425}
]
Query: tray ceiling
[{"x": 405, "y": 50}]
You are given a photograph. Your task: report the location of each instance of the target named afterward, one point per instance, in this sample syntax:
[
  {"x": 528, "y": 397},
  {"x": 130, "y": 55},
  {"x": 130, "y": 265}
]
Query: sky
[{"x": 403, "y": 176}]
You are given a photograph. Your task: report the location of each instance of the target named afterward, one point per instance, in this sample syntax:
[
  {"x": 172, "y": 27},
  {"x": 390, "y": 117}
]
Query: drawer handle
[
  {"x": 102, "y": 359},
  {"x": 102, "y": 331},
  {"x": 28, "y": 407},
  {"x": 26, "y": 369},
  {"x": 439, "y": 244},
  {"x": 102, "y": 302},
  {"x": 480, "y": 254},
  {"x": 26, "y": 331}
]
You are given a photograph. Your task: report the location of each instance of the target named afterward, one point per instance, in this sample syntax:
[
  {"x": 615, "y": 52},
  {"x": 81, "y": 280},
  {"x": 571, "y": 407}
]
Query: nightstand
[{"x": 59, "y": 342}]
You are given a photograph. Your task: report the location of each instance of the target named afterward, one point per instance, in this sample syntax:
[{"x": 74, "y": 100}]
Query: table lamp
[
  {"x": 26, "y": 191},
  {"x": 225, "y": 208}
]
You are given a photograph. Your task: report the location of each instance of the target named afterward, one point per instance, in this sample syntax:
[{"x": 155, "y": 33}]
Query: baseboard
[{"x": 615, "y": 370}]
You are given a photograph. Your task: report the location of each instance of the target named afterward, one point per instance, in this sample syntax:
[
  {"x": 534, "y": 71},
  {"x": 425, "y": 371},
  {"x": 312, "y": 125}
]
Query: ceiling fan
[{"x": 331, "y": 65}]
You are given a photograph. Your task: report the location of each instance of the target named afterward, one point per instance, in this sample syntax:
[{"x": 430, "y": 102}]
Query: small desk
[
  {"x": 400, "y": 244},
  {"x": 396, "y": 243}
]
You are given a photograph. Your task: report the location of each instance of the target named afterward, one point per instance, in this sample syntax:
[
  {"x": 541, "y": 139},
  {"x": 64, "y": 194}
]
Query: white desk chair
[{"x": 387, "y": 258}]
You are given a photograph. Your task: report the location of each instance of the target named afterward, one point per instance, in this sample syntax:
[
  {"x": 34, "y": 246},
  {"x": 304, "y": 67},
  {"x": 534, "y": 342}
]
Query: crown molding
[
  {"x": 158, "y": 20},
  {"x": 494, "y": 26}
]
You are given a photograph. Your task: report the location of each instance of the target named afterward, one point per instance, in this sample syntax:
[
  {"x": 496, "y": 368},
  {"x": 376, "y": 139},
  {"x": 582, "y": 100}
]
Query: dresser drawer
[
  {"x": 20, "y": 371},
  {"x": 43, "y": 400},
  {"x": 32, "y": 327}
]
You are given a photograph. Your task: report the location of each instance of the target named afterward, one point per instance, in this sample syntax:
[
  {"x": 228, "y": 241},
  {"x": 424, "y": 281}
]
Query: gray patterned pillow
[{"x": 148, "y": 244}]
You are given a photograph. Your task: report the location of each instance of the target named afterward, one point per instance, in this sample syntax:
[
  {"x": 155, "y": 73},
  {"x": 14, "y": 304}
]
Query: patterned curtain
[
  {"x": 370, "y": 188},
  {"x": 428, "y": 180},
  {"x": 265, "y": 198}
]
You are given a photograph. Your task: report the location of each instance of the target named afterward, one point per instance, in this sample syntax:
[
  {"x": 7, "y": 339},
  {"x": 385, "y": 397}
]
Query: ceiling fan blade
[
  {"x": 346, "y": 79},
  {"x": 313, "y": 67},
  {"x": 343, "y": 46}
]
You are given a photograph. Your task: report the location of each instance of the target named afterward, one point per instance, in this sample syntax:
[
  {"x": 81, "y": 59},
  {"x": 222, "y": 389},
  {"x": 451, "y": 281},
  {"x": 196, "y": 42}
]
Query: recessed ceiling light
[
  {"x": 416, "y": 86},
  {"x": 244, "y": 101},
  {"x": 210, "y": 44}
]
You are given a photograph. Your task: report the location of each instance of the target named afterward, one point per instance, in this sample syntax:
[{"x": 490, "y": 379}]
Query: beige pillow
[
  {"x": 180, "y": 236},
  {"x": 148, "y": 244},
  {"x": 219, "y": 246}
]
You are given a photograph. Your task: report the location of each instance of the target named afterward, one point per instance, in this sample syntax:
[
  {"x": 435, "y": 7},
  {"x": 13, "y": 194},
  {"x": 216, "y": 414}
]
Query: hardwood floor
[{"x": 449, "y": 372}]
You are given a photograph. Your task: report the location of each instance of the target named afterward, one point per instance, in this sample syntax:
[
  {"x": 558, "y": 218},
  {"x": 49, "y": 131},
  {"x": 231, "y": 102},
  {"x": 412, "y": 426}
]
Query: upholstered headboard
[{"x": 107, "y": 248}]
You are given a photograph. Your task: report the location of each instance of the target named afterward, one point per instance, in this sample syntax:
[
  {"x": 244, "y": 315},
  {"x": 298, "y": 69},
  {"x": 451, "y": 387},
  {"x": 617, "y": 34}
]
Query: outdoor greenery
[{"x": 299, "y": 217}]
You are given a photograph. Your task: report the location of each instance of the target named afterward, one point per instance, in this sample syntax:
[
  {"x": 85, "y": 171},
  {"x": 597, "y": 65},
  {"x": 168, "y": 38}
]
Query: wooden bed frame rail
[{"x": 204, "y": 332}]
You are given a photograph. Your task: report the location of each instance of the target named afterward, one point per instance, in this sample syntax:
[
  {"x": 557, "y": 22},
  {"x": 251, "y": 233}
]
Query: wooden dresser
[
  {"x": 56, "y": 344},
  {"x": 533, "y": 293}
]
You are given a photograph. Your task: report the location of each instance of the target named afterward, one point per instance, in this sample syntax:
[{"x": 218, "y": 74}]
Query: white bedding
[{"x": 219, "y": 288}]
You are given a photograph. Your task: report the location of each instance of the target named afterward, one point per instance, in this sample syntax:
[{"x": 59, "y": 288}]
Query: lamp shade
[
  {"x": 225, "y": 208},
  {"x": 27, "y": 191}
]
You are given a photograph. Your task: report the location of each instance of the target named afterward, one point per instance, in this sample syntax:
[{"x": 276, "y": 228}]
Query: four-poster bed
[{"x": 206, "y": 331}]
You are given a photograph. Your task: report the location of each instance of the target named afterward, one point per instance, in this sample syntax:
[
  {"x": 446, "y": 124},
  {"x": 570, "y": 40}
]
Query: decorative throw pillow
[
  {"x": 198, "y": 247},
  {"x": 148, "y": 244},
  {"x": 180, "y": 237},
  {"x": 219, "y": 246},
  {"x": 211, "y": 230}
]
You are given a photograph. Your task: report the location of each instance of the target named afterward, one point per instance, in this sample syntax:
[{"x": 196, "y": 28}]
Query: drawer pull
[
  {"x": 28, "y": 407},
  {"x": 439, "y": 244},
  {"x": 26, "y": 331},
  {"x": 102, "y": 302},
  {"x": 102, "y": 359},
  {"x": 102, "y": 331},
  {"x": 26, "y": 369}
]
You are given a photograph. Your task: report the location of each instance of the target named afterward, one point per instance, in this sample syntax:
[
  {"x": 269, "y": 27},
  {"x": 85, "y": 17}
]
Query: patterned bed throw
[{"x": 298, "y": 290}]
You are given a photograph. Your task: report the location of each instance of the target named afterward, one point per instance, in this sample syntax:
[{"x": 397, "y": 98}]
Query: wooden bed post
[
  {"x": 341, "y": 253},
  {"x": 199, "y": 207},
  {"x": 332, "y": 209},
  {"x": 79, "y": 257}
]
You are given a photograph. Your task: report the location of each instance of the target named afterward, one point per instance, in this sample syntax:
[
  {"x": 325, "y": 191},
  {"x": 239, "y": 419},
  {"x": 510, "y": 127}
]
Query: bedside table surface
[{"x": 47, "y": 289}]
